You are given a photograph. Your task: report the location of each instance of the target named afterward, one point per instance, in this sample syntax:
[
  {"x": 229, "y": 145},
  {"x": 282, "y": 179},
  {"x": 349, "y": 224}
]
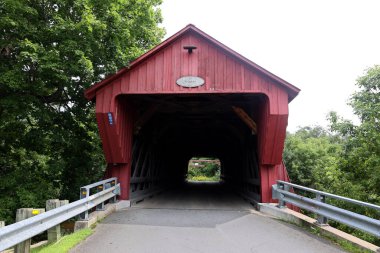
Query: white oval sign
[{"x": 190, "y": 81}]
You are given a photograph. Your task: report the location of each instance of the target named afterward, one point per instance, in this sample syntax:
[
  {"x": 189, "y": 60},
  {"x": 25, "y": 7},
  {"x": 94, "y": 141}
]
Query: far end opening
[{"x": 203, "y": 169}]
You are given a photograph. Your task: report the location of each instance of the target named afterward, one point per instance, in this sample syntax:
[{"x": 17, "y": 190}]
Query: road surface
[{"x": 199, "y": 218}]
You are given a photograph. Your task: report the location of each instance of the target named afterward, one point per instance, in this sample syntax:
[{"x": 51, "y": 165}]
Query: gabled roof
[{"x": 292, "y": 90}]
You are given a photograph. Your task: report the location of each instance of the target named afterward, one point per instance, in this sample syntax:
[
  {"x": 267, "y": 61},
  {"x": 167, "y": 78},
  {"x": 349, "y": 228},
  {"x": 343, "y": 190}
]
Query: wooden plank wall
[{"x": 222, "y": 72}]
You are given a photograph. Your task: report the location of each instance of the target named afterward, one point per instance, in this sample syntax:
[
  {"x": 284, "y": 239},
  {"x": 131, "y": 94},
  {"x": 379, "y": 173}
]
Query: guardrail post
[
  {"x": 2, "y": 224},
  {"x": 84, "y": 193},
  {"x": 100, "y": 207},
  {"x": 109, "y": 185},
  {"x": 22, "y": 214},
  {"x": 281, "y": 202},
  {"x": 321, "y": 220},
  {"x": 54, "y": 233}
]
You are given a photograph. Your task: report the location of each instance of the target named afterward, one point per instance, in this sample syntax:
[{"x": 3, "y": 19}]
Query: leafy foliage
[
  {"x": 310, "y": 156},
  {"x": 204, "y": 170},
  {"x": 360, "y": 157},
  {"x": 346, "y": 159},
  {"x": 50, "y": 52}
]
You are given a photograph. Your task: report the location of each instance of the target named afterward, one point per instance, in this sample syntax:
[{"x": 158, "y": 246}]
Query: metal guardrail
[
  {"x": 20, "y": 231},
  {"x": 281, "y": 191},
  {"x": 85, "y": 192}
]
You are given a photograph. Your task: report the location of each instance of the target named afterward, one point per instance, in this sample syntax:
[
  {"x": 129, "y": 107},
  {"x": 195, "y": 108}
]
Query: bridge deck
[{"x": 198, "y": 218}]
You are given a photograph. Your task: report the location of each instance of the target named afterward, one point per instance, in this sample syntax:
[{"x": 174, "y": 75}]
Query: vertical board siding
[
  {"x": 150, "y": 79},
  {"x": 103, "y": 136},
  {"x": 268, "y": 177},
  {"x": 115, "y": 91},
  {"x": 116, "y": 138},
  {"x": 194, "y": 63},
  {"x": 125, "y": 83},
  {"x": 133, "y": 81},
  {"x": 158, "y": 73},
  {"x": 238, "y": 76},
  {"x": 107, "y": 97},
  {"x": 202, "y": 59},
  {"x": 221, "y": 70},
  {"x": 229, "y": 74},
  {"x": 176, "y": 67},
  {"x": 224, "y": 72},
  {"x": 167, "y": 71},
  {"x": 141, "y": 78}
]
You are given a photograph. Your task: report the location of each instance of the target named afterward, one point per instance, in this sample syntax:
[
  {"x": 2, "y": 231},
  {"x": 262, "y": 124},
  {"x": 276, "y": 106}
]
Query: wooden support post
[
  {"x": 22, "y": 214},
  {"x": 123, "y": 173},
  {"x": 124, "y": 180},
  {"x": 54, "y": 233}
]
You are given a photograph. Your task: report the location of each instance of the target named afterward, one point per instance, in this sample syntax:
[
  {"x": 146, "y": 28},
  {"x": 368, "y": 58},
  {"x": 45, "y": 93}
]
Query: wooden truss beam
[{"x": 246, "y": 119}]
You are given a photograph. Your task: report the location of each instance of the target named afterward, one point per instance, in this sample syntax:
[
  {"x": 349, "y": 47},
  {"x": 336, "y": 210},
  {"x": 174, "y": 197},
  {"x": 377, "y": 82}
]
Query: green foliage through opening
[{"x": 203, "y": 169}]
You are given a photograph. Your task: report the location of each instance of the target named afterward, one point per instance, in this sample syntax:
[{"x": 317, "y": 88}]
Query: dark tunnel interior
[{"x": 171, "y": 129}]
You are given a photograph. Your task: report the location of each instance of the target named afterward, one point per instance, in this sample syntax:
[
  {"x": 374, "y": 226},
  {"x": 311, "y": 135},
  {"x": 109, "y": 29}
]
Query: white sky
[{"x": 320, "y": 46}]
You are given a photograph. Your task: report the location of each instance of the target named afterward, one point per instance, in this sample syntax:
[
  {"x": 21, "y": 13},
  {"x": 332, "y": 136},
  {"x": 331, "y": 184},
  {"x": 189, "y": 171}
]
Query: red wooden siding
[
  {"x": 223, "y": 70},
  {"x": 222, "y": 74}
]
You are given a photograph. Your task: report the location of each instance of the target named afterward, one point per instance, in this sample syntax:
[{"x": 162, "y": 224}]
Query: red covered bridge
[{"x": 193, "y": 96}]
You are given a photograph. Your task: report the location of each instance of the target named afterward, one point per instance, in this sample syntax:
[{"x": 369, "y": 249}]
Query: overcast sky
[{"x": 320, "y": 46}]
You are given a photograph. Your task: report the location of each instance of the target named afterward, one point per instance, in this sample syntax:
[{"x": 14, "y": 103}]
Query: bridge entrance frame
[{"x": 221, "y": 74}]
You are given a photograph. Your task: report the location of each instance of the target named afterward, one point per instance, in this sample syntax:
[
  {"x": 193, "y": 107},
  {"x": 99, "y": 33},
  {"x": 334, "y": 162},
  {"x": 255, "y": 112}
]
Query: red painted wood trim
[{"x": 90, "y": 93}]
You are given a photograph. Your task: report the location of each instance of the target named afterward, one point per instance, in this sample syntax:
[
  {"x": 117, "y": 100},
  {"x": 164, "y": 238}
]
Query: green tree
[
  {"x": 346, "y": 159},
  {"x": 359, "y": 159},
  {"x": 50, "y": 52},
  {"x": 360, "y": 156},
  {"x": 310, "y": 156}
]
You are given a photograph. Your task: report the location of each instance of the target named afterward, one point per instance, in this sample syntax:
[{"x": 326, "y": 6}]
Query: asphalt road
[{"x": 198, "y": 218}]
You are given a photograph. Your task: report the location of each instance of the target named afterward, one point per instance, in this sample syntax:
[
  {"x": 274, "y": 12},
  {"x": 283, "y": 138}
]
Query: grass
[
  {"x": 343, "y": 244},
  {"x": 65, "y": 243},
  {"x": 346, "y": 245}
]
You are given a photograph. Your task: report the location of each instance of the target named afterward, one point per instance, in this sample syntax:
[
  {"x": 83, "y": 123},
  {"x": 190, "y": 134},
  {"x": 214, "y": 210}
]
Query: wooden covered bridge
[{"x": 193, "y": 96}]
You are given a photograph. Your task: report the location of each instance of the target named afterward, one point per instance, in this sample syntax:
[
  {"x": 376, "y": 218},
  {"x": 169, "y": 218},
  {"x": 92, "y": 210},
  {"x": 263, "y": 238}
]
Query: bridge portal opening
[
  {"x": 170, "y": 105},
  {"x": 203, "y": 169},
  {"x": 170, "y": 131}
]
